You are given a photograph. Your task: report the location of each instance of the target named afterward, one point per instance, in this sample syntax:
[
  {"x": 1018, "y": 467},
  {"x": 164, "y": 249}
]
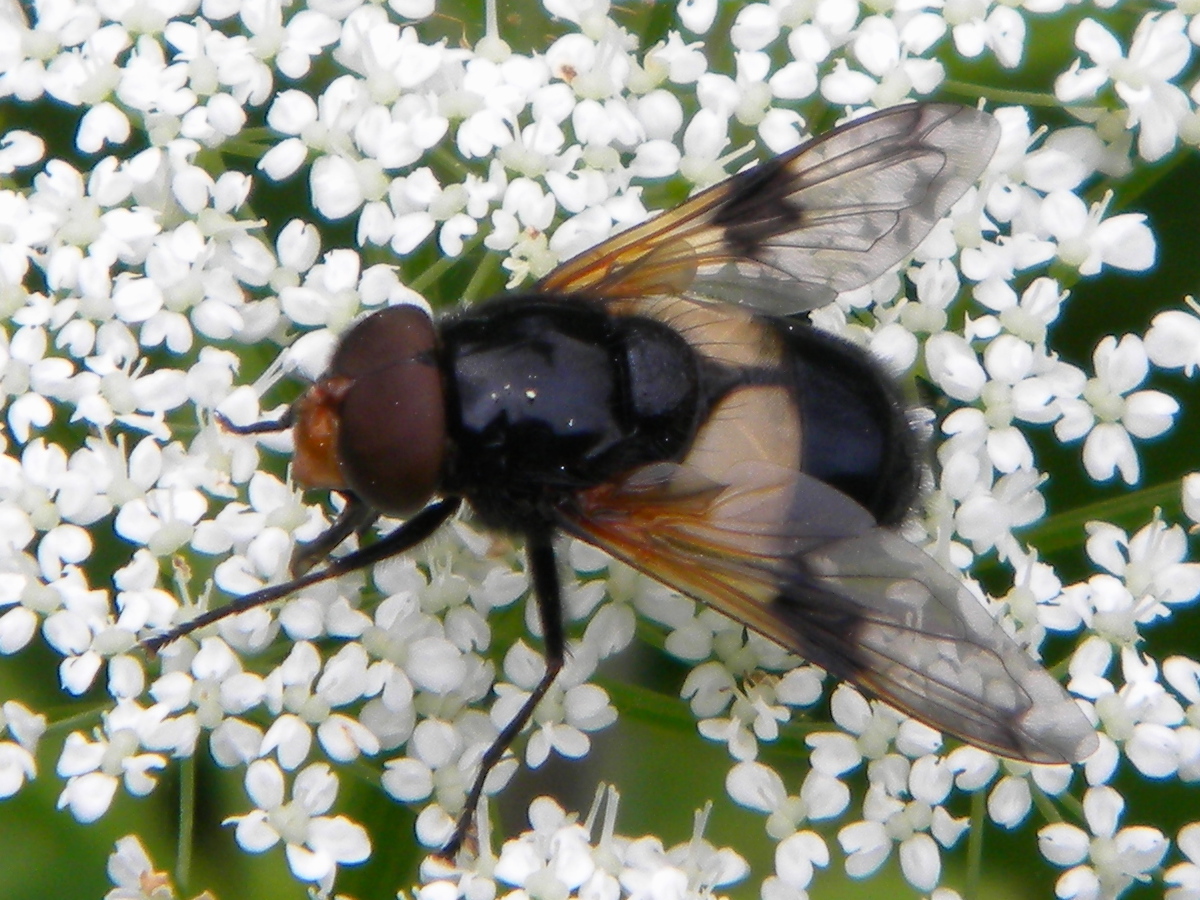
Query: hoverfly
[{"x": 651, "y": 397}]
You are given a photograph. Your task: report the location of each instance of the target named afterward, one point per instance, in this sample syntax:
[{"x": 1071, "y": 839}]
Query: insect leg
[
  {"x": 283, "y": 423},
  {"x": 543, "y": 568},
  {"x": 356, "y": 517},
  {"x": 407, "y": 536}
]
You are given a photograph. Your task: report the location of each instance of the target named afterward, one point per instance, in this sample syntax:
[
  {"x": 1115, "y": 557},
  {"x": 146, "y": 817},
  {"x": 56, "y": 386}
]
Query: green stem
[
  {"x": 442, "y": 157},
  {"x": 187, "y": 820},
  {"x": 81, "y": 719},
  {"x": 443, "y": 265},
  {"x": 1001, "y": 95},
  {"x": 1074, "y": 805},
  {"x": 366, "y": 770},
  {"x": 1063, "y": 529},
  {"x": 975, "y": 845},
  {"x": 1043, "y": 803},
  {"x": 479, "y": 278},
  {"x": 250, "y": 144},
  {"x": 649, "y": 706},
  {"x": 1061, "y": 669}
]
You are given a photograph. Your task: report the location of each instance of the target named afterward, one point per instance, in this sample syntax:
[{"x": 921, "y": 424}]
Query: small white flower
[
  {"x": 295, "y": 43},
  {"x": 1173, "y": 341},
  {"x": 1122, "y": 412},
  {"x": 758, "y": 787},
  {"x": 132, "y": 871},
  {"x": 1088, "y": 241},
  {"x": 1151, "y": 562},
  {"x": 797, "y": 856},
  {"x": 569, "y": 710},
  {"x": 988, "y": 516},
  {"x": 94, "y": 769},
  {"x": 917, "y": 825},
  {"x": 976, "y": 26},
  {"x": 869, "y": 731},
  {"x": 697, "y": 16},
  {"x": 1108, "y": 860},
  {"x": 953, "y": 364},
  {"x": 17, "y": 762},
  {"x": 1158, "y": 53},
  {"x": 315, "y": 844}
]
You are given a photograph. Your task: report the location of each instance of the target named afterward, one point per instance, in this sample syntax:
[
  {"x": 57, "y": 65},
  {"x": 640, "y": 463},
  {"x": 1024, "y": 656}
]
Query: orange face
[{"x": 316, "y": 431}]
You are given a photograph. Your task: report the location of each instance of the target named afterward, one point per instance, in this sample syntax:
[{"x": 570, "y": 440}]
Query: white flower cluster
[
  {"x": 138, "y": 282},
  {"x": 561, "y": 857}
]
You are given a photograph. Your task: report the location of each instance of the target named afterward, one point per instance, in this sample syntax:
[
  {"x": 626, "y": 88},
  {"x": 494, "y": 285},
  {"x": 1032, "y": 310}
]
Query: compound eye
[{"x": 392, "y": 428}]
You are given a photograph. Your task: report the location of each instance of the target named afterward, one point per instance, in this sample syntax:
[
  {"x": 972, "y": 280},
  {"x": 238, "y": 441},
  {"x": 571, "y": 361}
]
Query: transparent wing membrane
[{"x": 789, "y": 234}]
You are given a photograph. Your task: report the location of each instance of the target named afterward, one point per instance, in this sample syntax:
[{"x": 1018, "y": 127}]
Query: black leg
[
  {"x": 407, "y": 536},
  {"x": 539, "y": 551},
  {"x": 356, "y": 517},
  {"x": 283, "y": 423}
]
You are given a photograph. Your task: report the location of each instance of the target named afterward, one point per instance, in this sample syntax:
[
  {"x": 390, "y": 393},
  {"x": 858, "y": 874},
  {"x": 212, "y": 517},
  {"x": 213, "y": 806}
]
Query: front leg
[
  {"x": 356, "y": 518},
  {"x": 547, "y": 592},
  {"x": 405, "y": 537}
]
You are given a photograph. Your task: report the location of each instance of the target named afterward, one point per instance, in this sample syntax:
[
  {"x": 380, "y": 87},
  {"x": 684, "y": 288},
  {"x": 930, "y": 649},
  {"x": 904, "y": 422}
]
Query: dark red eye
[{"x": 392, "y": 420}]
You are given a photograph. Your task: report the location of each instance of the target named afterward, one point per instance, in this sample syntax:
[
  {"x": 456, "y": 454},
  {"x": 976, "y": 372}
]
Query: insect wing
[
  {"x": 803, "y": 564},
  {"x": 791, "y": 232},
  {"x": 928, "y": 646},
  {"x": 865, "y": 605}
]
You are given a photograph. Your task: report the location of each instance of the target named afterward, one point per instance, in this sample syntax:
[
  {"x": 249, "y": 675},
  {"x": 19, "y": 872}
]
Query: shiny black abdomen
[
  {"x": 856, "y": 431},
  {"x": 548, "y": 397}
]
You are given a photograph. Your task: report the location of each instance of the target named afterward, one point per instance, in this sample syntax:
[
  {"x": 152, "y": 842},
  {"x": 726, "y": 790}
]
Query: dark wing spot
[
  {"x": 757, "y": 207},
  {"x": 826, "y": 634}
]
